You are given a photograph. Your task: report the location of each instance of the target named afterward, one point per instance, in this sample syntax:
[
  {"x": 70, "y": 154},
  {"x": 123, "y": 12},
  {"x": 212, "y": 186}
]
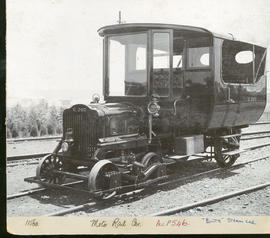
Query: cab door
[
  {"x": 178, "y": 66},
  {"x": 161, "y": 76},
  {"x": 161, "y": 63},
  {"x": 181, "y": 105}
]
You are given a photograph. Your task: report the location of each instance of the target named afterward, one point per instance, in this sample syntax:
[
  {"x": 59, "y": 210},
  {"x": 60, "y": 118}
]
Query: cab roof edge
[
  {"x": 101, "y": 31},
  {"x": 228, "y": 36}
]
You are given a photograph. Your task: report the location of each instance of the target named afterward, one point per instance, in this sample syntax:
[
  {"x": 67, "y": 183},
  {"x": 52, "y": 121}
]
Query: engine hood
[
  {"x": 109, "y": 119},
  {"x": 108, "y": 109}
]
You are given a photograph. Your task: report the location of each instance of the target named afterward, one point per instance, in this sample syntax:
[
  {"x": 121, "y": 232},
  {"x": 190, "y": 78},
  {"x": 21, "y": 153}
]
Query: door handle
[
  {"x": 179, "y": 100},
  {"x": 229, "y": 100}
]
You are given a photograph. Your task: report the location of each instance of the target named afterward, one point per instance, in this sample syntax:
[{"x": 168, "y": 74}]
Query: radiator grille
[{"x": 84, "y": 127}]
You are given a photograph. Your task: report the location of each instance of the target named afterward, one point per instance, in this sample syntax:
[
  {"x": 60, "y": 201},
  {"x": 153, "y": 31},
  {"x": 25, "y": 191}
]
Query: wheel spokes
[{"x": 48, "y": 165}]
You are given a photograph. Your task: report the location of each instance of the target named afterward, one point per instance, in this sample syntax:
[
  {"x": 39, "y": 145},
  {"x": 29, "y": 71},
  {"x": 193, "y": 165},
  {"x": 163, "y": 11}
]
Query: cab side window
[
  {"x": 161, "y": 63},
  {"x": 237, "y": 62},
  {"x": 198, "y": 52},
  {"x": 241, "y": 62}
]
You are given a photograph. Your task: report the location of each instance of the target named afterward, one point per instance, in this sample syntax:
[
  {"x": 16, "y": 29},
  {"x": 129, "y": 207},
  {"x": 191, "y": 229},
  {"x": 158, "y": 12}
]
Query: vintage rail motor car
[{"x": 170, "y": 91}]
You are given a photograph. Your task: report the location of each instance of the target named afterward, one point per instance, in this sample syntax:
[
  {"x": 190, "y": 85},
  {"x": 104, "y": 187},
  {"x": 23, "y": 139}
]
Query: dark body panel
[
  {"x": 199, "y": 90},
  {"x": 235, "y": 104}
]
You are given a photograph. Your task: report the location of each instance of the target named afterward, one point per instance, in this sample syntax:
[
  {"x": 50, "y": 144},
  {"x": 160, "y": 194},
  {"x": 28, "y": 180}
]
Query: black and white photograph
[{"x": 138, "y": 117}]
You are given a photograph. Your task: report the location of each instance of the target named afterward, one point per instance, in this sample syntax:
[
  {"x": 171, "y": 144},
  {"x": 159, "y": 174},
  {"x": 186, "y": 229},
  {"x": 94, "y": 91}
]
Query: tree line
[
  {"x": 38, "y": 119},
  {"x": 42, "y": 119}
]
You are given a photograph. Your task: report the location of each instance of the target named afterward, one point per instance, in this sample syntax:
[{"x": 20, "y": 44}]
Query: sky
[{"x": 55, "y": 52}]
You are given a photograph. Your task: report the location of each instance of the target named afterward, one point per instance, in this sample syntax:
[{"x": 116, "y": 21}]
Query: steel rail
[
  {"x": 249, "y": 148},
  {"x": 88, "y": 205},
  {"x": 261, "y": 123},
  {"x": 28, "y": 156},
  {"x": 22, "y": 163},
  {"x": 254, "y": 133},
  {"x": 254, "y": 137},
  {"x": 34, "y": 138},
  {"x": 70, "y": 210},
  {"x": 35, "y": 190},
  {"x": 212, "y": 171},
  {"x": 210, "y": 200}
]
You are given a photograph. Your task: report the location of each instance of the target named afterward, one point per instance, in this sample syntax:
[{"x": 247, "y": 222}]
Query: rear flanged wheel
[
  {"x": 226, "y": 145},
  {"x": 47, "y": 167},
  {"x": 104, "y": 176}
]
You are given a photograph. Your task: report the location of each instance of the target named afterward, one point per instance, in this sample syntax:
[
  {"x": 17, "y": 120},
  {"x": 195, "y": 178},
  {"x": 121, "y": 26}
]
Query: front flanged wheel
[
  {"x": 47, "y": 167},
  {"x": 104, "y": 176}
]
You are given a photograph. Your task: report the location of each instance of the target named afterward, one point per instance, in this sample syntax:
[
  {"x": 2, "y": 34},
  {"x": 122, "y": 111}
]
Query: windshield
[{"x": 127, "y": 65}]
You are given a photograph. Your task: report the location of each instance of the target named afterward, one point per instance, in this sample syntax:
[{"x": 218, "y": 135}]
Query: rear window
[{"x": 241, "y": 62}]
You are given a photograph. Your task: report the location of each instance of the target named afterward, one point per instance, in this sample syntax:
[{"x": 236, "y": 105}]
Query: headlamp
[{"x": 153, "y": 108}]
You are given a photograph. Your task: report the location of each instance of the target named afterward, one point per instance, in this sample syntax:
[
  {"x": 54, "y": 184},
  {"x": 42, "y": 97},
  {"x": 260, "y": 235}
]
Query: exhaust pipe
[{"x": 150, "y": 170}]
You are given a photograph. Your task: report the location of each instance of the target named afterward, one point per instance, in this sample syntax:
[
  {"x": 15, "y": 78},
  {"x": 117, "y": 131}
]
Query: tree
[
  {"x": 17, "y": 121},
  {"x": 35, "y": 120},
  {"x": 52, "y": 121},
  {"x": 38, "y": 118}
]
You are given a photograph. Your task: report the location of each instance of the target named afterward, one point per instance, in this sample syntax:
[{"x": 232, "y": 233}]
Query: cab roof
[{"x": 134, "y": 27}]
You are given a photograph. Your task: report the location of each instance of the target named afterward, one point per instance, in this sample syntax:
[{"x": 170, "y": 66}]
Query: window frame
[
  {"x": 209, "y": 67},
  {"x": 151, "y": 59},
  {"x": 106, "y": 80},
  {"x": 183, "y": 53},
  {"x": 253, "y": 63}
]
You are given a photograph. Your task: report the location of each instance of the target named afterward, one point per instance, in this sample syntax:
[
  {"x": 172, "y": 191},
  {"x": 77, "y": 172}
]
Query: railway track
[
  {"x": 12, "y": 160},
  {"x": 24, "y": 157},
  {"x": 35, "y": 190},
  {"x": 92, "y": 204},
  {"x": 210, "y": 200},
  {"x": 225, "y": 196}
]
